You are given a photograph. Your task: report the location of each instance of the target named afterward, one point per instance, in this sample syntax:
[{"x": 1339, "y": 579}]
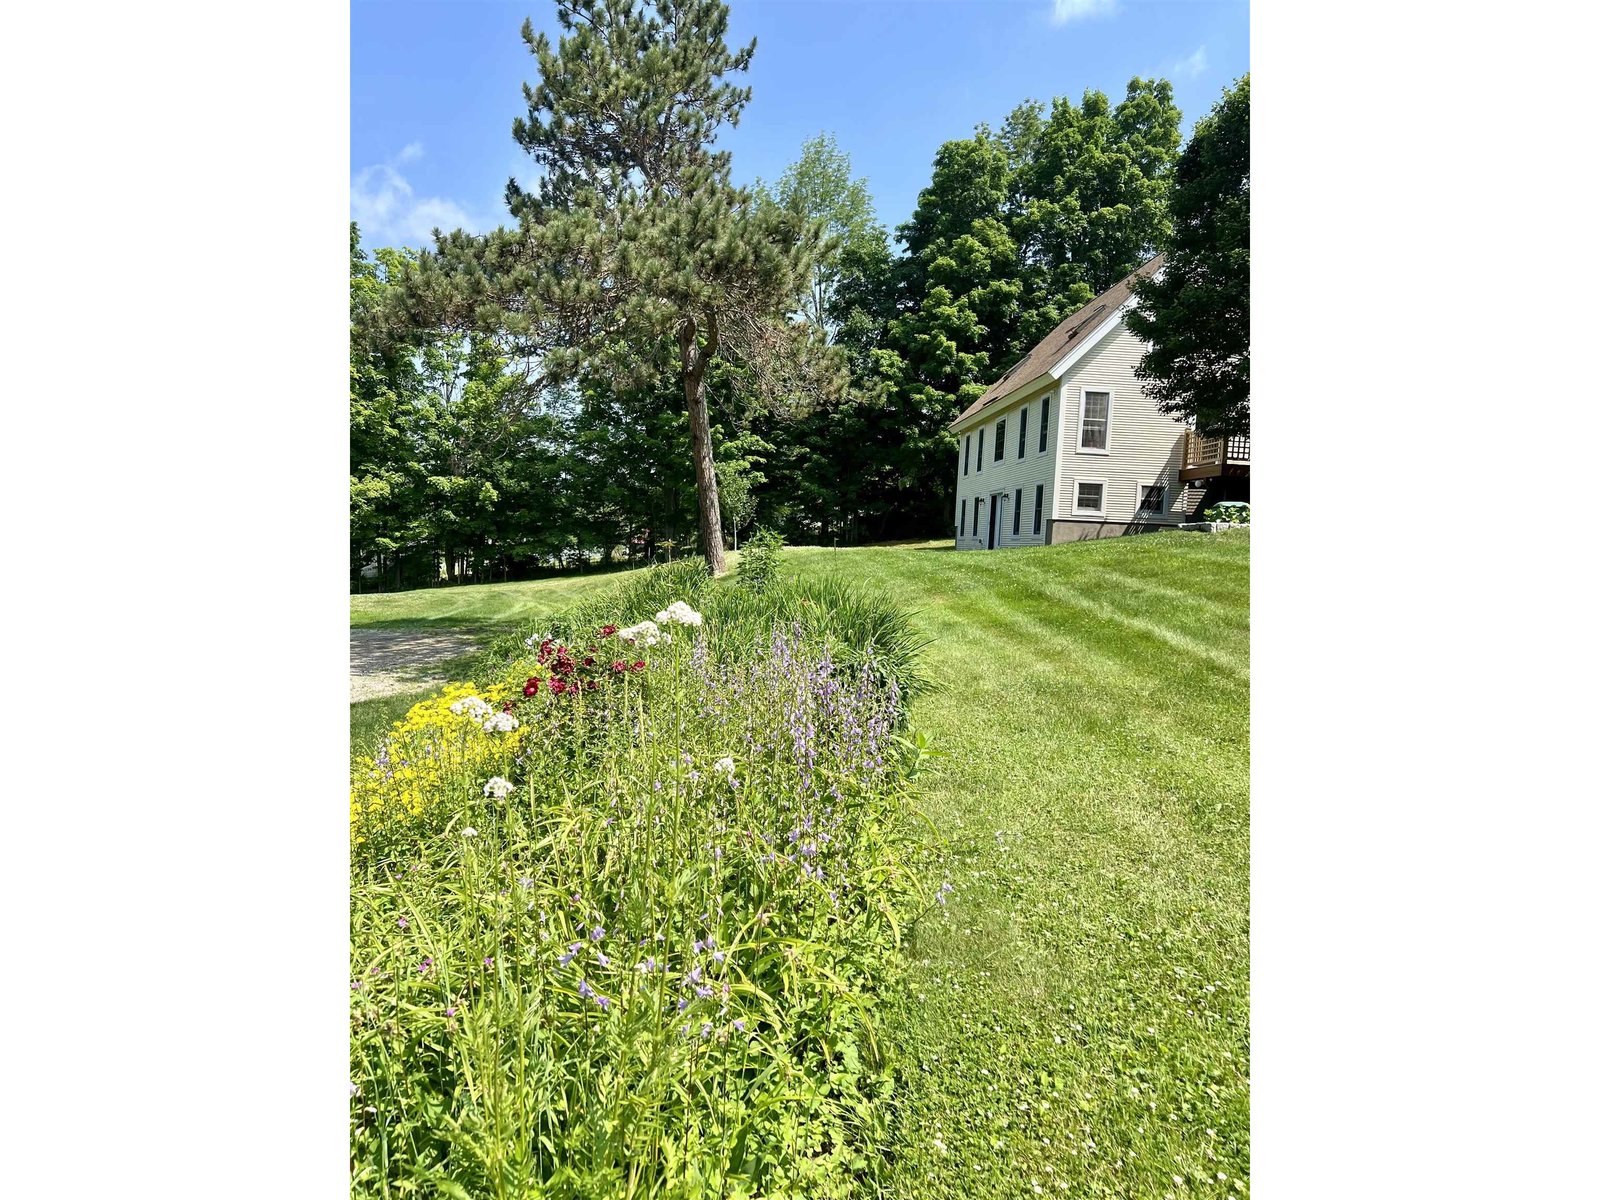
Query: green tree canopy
[
  {"x": 1196, "y": 316},
  {"x": 634, "y": 232}
]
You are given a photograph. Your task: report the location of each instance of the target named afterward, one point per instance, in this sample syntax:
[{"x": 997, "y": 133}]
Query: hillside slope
[{"x": 1076, "y": 1019}]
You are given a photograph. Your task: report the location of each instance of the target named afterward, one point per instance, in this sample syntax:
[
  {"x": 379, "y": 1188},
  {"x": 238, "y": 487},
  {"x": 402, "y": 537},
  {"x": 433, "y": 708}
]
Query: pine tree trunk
[{"x": 694, "y": 360}]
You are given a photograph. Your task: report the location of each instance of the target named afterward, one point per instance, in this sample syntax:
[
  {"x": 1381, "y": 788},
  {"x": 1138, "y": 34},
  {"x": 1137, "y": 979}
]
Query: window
[
  {"x": 1095, "y": 428},
  {"x": 1044, "y": 421},
  {"x": 1038, "y": 507},
  {"x": 1090, "y": 498},
  {"x": 999, "y": 441},
  {"x": 966, "y": 462},
  {"x": 963, "y": 518},
  {"x": 1152, "y": 498},
  {"x": 1022, "y": 432},
  {"x": 980, "y": 454},
  {"x": 1016, "y": 514}
]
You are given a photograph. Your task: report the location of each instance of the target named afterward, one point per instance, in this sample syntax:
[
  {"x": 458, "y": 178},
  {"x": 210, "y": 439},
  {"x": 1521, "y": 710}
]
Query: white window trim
[
  {"x": 1105, "y": 496},
  {"x": 1150, "y": 483},
  {"x": 1111, "y": 404}
]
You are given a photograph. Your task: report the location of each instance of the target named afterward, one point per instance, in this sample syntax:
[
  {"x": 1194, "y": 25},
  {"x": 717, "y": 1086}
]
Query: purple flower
[
  {"x": 489, "y": 962},
  {"x": 425, "y": 966},
  {"x": 739, "y": 1024},
  {"x": 451, "y": 1011},
  {"x": 403, "y": 923},
  {"x": 572, "y": 953},
  {"x": 597, "y": 932},
  {"x": 703, "y": 991}
]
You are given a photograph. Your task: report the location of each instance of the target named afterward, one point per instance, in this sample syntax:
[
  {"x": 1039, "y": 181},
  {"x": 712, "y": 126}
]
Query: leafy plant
[
  {"x": 758, "y": 566},
  {"x": 620, "y": 914},
  {"x": 1236, "y": 512}
]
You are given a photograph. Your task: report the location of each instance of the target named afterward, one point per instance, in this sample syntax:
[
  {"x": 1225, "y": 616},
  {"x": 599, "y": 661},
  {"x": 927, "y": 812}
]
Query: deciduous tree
[{"x": 1196, "y": 316}]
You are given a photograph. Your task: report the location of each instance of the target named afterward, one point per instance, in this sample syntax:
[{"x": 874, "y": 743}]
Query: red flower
[
  {"x": 531, "y": 688},
  {"x": 619, "y": 666},
  {"x": 506, "y": 707},
  {"x": 593, "y": 683},
  {"x": 589, "y": 661},
  {"x": 607, "y": 630},
  {"x": 638, "y": 665},
  {"x": 557, "y": 686}
]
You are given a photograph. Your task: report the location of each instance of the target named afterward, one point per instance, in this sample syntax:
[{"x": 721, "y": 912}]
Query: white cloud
[
  {"x": 1074, "y": 10},
  {"x": 1191, "y": 66},
  {"x": 384, "y": 204}
]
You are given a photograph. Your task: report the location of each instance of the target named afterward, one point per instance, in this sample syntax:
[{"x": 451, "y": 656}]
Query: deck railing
[{"x": 1215, "y": 451}]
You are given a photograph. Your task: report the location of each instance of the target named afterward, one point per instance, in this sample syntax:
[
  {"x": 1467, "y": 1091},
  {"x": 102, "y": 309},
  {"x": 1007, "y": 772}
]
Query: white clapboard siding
[
  {"x": 1025, "y": 470},
  {"x": 1144, "y": 445}
]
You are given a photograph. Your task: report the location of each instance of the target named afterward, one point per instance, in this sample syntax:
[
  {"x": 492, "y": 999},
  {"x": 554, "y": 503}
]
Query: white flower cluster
[
  {"x": 679, "y": 613},
  {"x": 534, "y": 642},
  {"x": 471, "y": 706},
  {"x": 723, "y": 766},
  {"x": 500, "y": 722},
  {"x": 498, "y": 788},
  {"x": 645, "y": 633}
]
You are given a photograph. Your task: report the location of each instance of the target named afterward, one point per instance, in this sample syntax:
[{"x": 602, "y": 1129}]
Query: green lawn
[
  {"x": 1076, "y": 1020},
  {"x": 482, "y": 606}
]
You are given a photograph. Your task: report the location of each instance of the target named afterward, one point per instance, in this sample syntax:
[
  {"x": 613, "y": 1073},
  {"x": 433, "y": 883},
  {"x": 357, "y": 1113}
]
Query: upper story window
[
  {"x": 1094, "y": 429},
  {"x": 999, "y": 441},
  {"x": 1022, "y": 432},
  {"x": 980, "y": 450},
  {"x": 1044, "y": 421},
  {"x": 966, "y": 462}
]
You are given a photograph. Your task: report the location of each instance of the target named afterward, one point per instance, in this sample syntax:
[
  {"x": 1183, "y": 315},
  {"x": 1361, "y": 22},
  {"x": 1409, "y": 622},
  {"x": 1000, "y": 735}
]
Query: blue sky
[{"x": 434, "y": 87}]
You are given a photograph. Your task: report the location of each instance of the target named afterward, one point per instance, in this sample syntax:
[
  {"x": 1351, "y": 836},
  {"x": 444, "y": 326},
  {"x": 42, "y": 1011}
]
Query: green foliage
[
  {"x": 1236, "y": 512},
  {"x": 1197, "y": 315},
  {"x": 1092, "y": 816},
  {"x": 635, "y": 249},
  {"x": 758, "y": 566},
  {"x": 653, "y": 968},
  {"x": 818, "y": 187}
]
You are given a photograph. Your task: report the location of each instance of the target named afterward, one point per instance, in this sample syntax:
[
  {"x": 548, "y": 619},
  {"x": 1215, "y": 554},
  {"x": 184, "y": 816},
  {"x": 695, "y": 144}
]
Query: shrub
[
  {"x": 630, "y": 946},
  {"x": 1235, "y": 511},
  {"x": 759, "y": 563}
]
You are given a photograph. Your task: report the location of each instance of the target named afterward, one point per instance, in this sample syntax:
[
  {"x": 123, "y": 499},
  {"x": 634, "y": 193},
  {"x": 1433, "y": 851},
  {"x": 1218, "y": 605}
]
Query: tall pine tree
[{"x": 634, "y": 232}]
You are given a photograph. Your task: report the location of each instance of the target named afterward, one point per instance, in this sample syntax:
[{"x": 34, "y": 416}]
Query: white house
[{"x": 1068, "y": 445}]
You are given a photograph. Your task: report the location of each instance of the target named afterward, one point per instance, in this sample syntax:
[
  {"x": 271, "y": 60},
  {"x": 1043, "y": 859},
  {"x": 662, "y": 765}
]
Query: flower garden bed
[{"x": 621, "y": 912}]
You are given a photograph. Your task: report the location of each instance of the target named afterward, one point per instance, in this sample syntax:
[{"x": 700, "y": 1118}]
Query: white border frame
[
  {"x": 1105, "y": 497},
  {"x": 1111, "y": 406}
]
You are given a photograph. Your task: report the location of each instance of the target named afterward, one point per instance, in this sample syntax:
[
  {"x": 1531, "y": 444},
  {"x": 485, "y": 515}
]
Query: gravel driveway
[{"x": 386, "y": 661}]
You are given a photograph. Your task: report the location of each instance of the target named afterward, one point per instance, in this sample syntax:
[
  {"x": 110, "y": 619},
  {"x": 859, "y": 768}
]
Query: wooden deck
[{"x": 1209, "y": 458}]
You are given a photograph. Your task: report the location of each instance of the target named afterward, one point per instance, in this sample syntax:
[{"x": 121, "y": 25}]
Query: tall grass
[{"x": 651, "y": 968}]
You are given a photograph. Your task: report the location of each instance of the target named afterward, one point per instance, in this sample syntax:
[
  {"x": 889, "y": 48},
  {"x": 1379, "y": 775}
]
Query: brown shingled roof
[{"x": 1055, "y": 344}]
